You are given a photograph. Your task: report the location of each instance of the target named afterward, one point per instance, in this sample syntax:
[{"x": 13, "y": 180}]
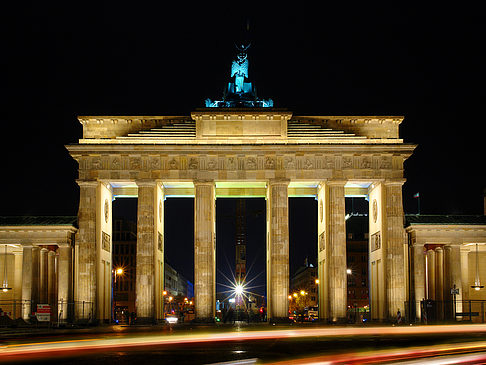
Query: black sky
[{"x": 59, "y": 61}]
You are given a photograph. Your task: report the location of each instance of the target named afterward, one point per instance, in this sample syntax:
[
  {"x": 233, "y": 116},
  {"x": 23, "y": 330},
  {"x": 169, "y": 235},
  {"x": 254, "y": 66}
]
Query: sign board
[
  {"x": 43, "y": 313},
  {"x": 454, "y": 291}
]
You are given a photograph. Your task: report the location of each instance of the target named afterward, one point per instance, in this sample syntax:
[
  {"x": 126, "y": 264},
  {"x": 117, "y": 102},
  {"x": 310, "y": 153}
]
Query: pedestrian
[{"x": 399, "y": 317}]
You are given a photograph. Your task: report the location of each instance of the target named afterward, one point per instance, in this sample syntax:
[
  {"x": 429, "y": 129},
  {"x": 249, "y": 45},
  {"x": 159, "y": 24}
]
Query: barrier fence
[
  {"x": 442, "y": 311},
  {"x": 11, "y": 311}
]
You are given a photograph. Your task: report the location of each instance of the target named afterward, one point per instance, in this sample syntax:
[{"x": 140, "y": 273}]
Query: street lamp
[
  {"x": 164, "y": 293},
  {"x": 348, "y": 271},
  {"x": 116, "y": 272},
  {"x": 5, "y": 287}
]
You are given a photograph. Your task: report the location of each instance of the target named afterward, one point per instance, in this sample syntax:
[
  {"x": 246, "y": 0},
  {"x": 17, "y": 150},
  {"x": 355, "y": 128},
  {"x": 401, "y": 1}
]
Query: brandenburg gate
[{"x": 247, "y": 148}]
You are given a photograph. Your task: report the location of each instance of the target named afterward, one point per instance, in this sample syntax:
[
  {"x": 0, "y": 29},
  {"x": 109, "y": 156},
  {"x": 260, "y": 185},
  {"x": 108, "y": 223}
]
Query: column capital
[
  {"x": 394, "y": 182},
  {"x": 203, "y": 182},
  {"x": 146, "y": 183},
  {"x": 279, "y": 181},
  {"x": 87, "y": 183},
  {"x": 336, "y": 182}
]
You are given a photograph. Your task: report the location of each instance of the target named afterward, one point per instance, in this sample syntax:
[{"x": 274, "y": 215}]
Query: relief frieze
[
  {"x": 328, "y": 164},
  {"x": 193, "y": 163},
  {"x": 154, "y": 163},
  {"x": 173, "y": 164},
  {"x": 251, "y": 163},
  {"x": 135, "y": 163}
]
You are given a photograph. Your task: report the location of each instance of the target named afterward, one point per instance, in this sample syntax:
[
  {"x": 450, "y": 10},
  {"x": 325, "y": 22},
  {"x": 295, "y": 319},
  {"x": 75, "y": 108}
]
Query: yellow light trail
[{"x": 132, "y": 341}]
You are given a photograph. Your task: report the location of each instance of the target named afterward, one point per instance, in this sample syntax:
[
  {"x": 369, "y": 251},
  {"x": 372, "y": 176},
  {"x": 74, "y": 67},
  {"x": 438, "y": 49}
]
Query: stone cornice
[{"x": 83, "y": 149}]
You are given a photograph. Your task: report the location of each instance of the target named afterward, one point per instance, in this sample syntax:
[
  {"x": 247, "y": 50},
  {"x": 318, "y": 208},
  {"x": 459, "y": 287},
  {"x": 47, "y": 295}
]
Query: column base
[
  {"x": 279, "y": 320},
  {"x": 203, "y": 320},
  {"x": 145, "y": 321}
]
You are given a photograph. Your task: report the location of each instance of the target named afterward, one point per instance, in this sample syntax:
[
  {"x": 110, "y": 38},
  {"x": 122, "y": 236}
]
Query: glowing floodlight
[{"x": 239, "y": 289}]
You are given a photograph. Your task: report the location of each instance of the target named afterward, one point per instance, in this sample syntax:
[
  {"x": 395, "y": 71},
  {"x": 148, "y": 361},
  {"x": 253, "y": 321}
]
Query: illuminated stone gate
[{"x": 241, "y": 147}]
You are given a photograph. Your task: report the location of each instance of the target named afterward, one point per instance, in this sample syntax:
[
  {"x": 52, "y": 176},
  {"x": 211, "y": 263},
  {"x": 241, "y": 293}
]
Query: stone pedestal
[
  {"x": 277, "y": 250},
  {"x": 337, "y": 252},
  {"x": 85, "y": 296},
  {"x": 395, "y": 241},
  {"x": 146, "y": 243},
  {"x": 204, "y": 250}
]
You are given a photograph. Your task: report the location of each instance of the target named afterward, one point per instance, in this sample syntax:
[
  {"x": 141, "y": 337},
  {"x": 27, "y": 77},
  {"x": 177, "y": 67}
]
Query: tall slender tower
[{"x": 240, "y": 246}]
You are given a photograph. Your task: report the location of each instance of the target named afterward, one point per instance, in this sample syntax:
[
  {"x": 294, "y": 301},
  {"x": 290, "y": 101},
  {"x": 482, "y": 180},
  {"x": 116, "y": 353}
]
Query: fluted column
[
  {"x": 85, "y": 294},
  {"x": 52, "y": 283},
  {"x": 439, "y": 281},
  {"x": 337, "y": 252},
  {"x": 277, "y": 249},
  {"x": 64, "y": 280},
  {"x": 431, "y": 274},
  {"x": 465, "y": 272},
  {"x": 18, "y": 284},
  {"x": 43, "y": 276},
  {"x": 26, "y": 282},
  {"x": 204, "y": 250},
  {"x": 419, "y": 277},
  {"x": 146, "y": 246},
  {"x": 395, "y": 241},
  {"x": 453, "y": 277}
]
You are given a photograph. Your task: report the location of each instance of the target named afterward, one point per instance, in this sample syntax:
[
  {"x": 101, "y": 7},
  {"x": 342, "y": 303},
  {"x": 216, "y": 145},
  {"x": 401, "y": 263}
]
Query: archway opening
[
  {"x": 124, "y": 258},
  {"x": 240, "y": 259},
  {"x": 303, "y": 288},
  {"x": 357, "y": 259}
]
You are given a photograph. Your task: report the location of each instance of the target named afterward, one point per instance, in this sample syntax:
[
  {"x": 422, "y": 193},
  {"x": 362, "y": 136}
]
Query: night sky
[{"x": 60, "y": 61}]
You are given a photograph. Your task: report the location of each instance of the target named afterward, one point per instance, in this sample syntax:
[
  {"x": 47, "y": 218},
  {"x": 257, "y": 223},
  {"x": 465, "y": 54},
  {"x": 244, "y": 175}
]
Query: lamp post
[
  {"x": 164, "y": 293},
  {"x": 116, "y": 272},
  {"x": 317, "y": 297},
  {"x": 5, "y": 287}
]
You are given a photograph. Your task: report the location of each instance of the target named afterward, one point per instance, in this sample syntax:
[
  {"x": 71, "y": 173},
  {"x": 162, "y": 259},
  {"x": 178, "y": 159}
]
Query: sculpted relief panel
[{"x": 288, "y": 165}]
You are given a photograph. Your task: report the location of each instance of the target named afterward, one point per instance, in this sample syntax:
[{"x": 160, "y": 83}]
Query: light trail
[
  {"x": 419, "y": 355},
  {"x": 9, "y": 352}
]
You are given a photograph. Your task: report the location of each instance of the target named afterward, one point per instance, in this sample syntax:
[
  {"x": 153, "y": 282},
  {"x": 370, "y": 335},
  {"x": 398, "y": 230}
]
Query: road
[{"x": 250, "y": 344}]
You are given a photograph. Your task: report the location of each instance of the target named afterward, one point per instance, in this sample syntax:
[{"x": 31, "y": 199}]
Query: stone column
[
  {"x": 419, "y": 277},
  {"x": 43, "y": 276},
  {"x": 30, "y": 280},
  {"x": 431, "y": 274},
  {"x": 52, "y": 283},
  {"x": 439, "y": 281},
  {"x": 26, "y": 282},
  {"x": 18, "y": 284},
  {"x": 277, "y": 249},
  {"x": 35, "y": 277},
  {"x": 395, "y": 240},
  {"x": 337, "y": 252},
  {"x": 452, "y": 270},
  {"x": 85, "y": 295},
  {"x": 204, "y": 250},
  {"x": 465, "y": 272},
  {"x": 146, "y": 245},
  {"x": 64, "y": 281}
]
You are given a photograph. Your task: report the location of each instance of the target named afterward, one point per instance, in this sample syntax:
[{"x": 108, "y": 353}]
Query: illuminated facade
[{"x": 240, "y": 148}]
